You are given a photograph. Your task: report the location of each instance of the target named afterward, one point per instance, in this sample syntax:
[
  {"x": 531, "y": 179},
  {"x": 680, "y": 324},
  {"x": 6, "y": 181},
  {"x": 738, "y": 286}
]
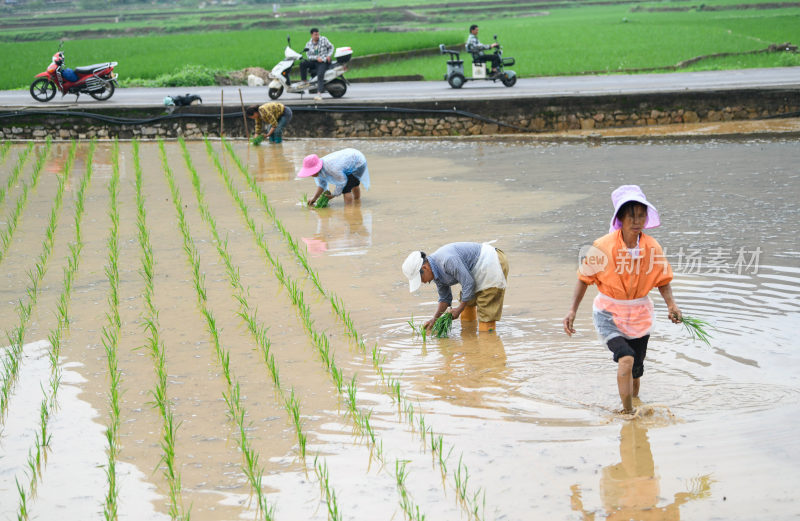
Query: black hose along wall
[{"x": 444, "y": 118}]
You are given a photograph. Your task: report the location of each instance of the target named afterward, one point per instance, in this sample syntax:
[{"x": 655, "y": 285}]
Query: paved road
[{"x": 545, "y": 87}]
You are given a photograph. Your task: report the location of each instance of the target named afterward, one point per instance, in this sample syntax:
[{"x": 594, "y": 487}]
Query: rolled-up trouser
[
  {"x": 490, "y": 300},
  {"x": 277, "y": 136}
]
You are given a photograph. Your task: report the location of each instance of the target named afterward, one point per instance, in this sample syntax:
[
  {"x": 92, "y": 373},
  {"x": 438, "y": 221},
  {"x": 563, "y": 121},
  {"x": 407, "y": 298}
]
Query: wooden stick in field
[
  {"x": 221, "y": 112},
  {"x": 244, "y": 116}
]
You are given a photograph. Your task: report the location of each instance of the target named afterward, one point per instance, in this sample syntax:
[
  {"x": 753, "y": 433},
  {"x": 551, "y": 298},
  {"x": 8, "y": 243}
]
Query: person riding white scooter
[
  {"x": 334, "y": 81},
  {"x": 318, "y": 58}
]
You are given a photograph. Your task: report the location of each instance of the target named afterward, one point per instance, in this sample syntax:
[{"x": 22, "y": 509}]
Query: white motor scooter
[{"x": 335, "y": 83}]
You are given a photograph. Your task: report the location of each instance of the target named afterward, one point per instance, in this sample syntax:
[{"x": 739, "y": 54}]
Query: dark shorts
[
  {"x": 637, "y": 348},
  {"x": 352, "y": 182}
]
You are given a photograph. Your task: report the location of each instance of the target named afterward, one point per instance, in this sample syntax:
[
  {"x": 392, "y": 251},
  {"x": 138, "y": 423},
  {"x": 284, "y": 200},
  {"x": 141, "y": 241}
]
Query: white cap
[{"x": 411, "y": 267}]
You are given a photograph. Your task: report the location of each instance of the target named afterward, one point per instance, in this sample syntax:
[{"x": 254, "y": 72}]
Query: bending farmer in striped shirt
[{"x": 275, "y": 115}]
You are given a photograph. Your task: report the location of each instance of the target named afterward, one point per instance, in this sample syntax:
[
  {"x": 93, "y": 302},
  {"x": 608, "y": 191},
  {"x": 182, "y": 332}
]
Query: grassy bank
[{"x": 560, "y": 41}]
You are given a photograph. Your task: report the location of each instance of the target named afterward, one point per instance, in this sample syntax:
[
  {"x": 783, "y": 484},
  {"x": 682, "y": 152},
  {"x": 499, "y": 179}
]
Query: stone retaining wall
[{"x": 444, "y": 118}]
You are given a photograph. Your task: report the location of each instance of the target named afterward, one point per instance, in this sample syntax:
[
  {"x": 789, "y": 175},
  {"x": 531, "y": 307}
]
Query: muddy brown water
[{"x": 530, "y": 412}]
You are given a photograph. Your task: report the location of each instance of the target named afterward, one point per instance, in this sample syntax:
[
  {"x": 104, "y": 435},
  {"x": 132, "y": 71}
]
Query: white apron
[{"x": 487, "y": 272}]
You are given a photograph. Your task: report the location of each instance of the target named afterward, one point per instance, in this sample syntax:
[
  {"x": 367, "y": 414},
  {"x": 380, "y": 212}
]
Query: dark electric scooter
[{"x": 455, "y": 69}]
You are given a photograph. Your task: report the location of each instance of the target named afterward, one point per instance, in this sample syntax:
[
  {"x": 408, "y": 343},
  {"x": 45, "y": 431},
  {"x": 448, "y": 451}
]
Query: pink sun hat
[
  {"x": 311, "y": 165},
  {"x": 627, "y": 193}
]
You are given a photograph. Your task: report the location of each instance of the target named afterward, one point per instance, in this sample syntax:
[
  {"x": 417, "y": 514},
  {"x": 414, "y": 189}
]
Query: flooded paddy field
[{"x": 184, "y": 338}]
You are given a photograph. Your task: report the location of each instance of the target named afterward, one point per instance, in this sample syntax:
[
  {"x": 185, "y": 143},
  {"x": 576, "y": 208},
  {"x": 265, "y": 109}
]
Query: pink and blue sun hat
[
  {"x": 627, "y": 193},
  {"x": 311, "y": 165}
]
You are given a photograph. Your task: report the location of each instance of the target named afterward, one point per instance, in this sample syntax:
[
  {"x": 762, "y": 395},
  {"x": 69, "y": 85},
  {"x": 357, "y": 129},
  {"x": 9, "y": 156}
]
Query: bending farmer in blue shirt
[{"x": 481, "y": 269}]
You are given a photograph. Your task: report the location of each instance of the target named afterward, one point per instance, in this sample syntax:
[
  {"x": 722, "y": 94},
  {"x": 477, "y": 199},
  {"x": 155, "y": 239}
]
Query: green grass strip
[
  {"x": 250, "y": 465},
  {"x": 37, "y": 454},
  {"x": 157, "y": 350},
  {"x": 16, "y": 337},
  {"x": 406, "y": 410},
  {"x": 13, "y": 218}
]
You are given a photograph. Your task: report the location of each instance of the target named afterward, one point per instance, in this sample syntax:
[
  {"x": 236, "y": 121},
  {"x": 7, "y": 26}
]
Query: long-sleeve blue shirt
[{"x": 452, "y": 264}]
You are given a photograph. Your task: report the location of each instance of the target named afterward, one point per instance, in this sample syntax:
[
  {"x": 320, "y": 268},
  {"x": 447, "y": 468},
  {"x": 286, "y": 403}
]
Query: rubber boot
[
  {"x": 486, "y": 326},
  {"x": 470, "y": 314}
]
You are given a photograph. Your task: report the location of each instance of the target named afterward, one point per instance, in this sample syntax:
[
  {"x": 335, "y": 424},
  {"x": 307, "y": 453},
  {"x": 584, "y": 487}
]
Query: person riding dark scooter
[{"x": 476, "y": 48}]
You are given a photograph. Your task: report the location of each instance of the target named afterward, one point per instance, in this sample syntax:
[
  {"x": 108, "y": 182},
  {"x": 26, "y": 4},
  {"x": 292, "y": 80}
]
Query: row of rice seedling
[
  {"x": 37, "y": 454},
  {"x": 247, "y": 312},
  {"x": 16, "y": 337},
  {"x": 4, "y": 148},
  {"x": 392, "y": 385},
  {"x": 232, "y": 397},
  {"x": 110, "y": 339},
  {"x": 157, "y": 350},
  {"x": 409, "y": 508},
  {"x": 12, "y": 179},
  {"x": 13, "y": 218},
  {"x": 319, "y": 340},
  {"x": 259, "y": 331},
  {"x": 348, "y": 391}
]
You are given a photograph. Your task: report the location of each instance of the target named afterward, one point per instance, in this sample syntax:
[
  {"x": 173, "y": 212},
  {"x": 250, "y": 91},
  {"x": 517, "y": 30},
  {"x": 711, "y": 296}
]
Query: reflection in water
[
  {"x": 273, "y": 165},
  {"x": 58, "y": 158},
  {"x": 630, "y": 488},
  {"x": 470, "y": 367},
  {"x": 345, "y": 232}
]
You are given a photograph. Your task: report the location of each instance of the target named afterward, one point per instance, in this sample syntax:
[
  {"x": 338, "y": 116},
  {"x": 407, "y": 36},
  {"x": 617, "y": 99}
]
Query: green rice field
[{"x": 561, "y": 39}]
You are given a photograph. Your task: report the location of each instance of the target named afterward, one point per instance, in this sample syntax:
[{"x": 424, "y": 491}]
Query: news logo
[{"x": 591, "y": 260}]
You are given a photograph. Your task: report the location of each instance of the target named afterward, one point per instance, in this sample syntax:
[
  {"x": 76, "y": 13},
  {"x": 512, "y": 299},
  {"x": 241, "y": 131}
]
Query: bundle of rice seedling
[
  {"x": 697, "y": 329},
  {"x": 443, "y": 324},
  {"x": 322, "y": 202},
  {"x": 257, "y": 140}
]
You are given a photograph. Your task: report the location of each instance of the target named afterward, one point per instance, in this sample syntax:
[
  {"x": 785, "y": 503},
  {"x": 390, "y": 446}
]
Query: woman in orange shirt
[{"x": 625, "y": 264}]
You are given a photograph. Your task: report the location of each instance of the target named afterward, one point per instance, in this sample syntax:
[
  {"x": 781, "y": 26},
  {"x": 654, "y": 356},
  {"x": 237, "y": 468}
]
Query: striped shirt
[
  {"x": 474, "y": 45},
  {"x": 322, "y": 49}
]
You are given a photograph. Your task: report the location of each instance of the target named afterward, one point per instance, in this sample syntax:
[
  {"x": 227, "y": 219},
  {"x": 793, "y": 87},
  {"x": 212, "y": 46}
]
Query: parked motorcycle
[
  {"x": 455, "y": 69},
  {"x": 98, "y": 80},
  {"x": 335, "y": 83}
]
